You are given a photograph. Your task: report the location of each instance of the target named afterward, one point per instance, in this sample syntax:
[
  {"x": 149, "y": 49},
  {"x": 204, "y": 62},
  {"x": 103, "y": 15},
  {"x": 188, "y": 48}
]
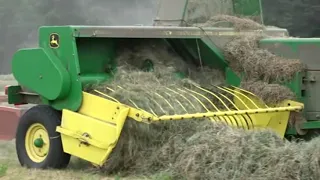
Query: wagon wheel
[{"x": 38, "y": 145}]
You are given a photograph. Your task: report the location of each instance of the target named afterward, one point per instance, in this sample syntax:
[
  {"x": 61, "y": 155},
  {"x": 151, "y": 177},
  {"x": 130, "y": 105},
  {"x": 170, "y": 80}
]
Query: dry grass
[
  {"x": 232, "y": 21},
  {"x": 204, "y": 150},
  {"x": 262, "y": 72},
  {"x": 217, "y": 152},
  {"x": 10, "y": 169},
  {"x": 271, "y": 94},
  {"x": 225, "y": 153},
  {"x": 245, "y": 56}
]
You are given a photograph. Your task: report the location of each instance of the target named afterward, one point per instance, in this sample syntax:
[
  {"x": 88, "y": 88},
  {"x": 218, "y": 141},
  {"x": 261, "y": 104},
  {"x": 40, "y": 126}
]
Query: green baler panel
[
  {"x": 304, "y": 84},
  {"x": 232, "y": 78},
  {"x": 296, "y": 86},
  {"x": 290, "y": 48},
  {"x": 42, "y": 73},
  {"x": 95, "y": 55},
  {"x": 212, "y": 55},
  {"x": 308, "y": 51},
  {"x": 59, "y": 74},
  {"x": 96, "y": 59},
  {"x": 247, "y": 7},
  {"x": 88, "y": 54},
  {"x": 65, "y": 54}
]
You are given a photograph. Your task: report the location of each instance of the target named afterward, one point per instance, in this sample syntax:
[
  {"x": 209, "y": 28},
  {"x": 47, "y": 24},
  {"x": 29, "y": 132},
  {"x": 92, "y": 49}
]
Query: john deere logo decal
[{"x": 54, "y": 40}]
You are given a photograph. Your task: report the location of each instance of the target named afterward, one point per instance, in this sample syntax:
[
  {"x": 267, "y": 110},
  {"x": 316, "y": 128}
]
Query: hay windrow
[
  {"x": 203, "y": 150},
  {"x": 225, "y": 153}
]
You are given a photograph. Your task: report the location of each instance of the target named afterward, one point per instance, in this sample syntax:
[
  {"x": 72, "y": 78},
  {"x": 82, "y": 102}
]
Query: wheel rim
[{"x": 37, "y": 142}]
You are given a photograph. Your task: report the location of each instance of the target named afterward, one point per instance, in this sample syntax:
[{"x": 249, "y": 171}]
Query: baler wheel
[{"x": 38, "y": 145}]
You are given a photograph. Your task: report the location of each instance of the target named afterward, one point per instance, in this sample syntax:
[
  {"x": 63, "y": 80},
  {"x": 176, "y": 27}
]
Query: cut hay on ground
[
  {"x": 202, "y": 150},
  {"x": 220, "y": 152}
]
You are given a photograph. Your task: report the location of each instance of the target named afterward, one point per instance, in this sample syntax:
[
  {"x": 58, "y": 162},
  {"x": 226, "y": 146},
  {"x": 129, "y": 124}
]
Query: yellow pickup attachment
[{"x": 93, "y": 131}]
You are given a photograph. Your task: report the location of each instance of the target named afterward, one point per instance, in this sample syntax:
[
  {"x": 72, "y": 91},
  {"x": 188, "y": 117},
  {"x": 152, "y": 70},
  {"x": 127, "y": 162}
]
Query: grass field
[{"x": 10, "y": 169}]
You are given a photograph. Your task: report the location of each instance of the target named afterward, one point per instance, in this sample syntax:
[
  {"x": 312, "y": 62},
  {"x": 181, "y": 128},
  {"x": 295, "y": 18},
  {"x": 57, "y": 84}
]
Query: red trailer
[{"x": 9, "y": 118}]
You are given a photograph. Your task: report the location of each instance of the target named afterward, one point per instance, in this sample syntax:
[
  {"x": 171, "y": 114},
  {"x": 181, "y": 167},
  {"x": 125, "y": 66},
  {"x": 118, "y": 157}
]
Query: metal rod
[
  {"x": 261, "y": 12},
  {"x": 226, "y": 113}
]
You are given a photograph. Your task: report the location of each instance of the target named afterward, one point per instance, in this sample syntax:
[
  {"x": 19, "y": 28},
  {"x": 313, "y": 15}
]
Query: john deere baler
[{"x": 70, "y": 121}]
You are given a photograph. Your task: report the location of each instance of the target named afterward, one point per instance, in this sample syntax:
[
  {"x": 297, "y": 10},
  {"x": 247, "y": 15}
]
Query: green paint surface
[
  {"x": 247, "y": 7},
  {"x": 59, "y": 74},
  {"x": 38, "y": 142},
  {"x": 40, "y": 72}
]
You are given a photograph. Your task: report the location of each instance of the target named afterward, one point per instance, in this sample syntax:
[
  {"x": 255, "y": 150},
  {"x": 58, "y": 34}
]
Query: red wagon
[{"x": 9, "y": 118}]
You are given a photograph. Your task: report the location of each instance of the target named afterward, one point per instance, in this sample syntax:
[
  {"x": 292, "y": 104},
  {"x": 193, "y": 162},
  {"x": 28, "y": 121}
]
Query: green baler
[{"x": 68, "y": 121}]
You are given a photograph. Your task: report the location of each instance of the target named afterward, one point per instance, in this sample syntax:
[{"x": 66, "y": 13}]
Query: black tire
[{"x": 50, "y": 119}]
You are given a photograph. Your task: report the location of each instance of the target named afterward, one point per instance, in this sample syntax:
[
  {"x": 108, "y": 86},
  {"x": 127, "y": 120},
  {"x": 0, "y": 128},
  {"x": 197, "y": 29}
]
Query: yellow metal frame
[{"x": 93, "y": 131}]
